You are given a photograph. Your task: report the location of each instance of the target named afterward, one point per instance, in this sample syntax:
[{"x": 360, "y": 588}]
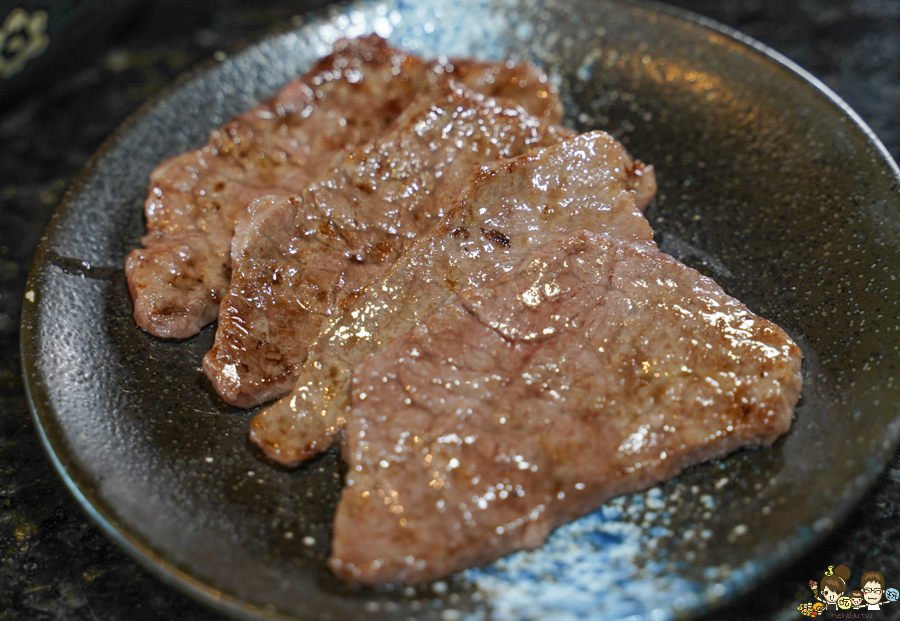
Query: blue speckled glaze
[
  {"x": 431, "y": 30},
  {"x": 589, "y": 569}
]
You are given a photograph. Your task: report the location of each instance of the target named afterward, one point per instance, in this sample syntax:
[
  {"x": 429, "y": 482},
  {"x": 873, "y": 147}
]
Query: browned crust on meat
[
  {"x": 279, "y": 147},
  {"x": 583, "y": 182},
  {"x": 300, "y": 262},
  {"x": 596, "y": 367}
]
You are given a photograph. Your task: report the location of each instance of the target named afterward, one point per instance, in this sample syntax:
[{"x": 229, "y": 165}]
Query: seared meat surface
[
  {"x": 300, "y": 260},
  {"x": 594, "y": 368},
  {"x": 418, "y": 260},
  {"x": 505, "y": 210},
  {"x": 179, "y": 277}
]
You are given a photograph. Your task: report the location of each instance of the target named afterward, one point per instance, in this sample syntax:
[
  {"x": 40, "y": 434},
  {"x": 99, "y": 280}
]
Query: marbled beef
[
  {"x": 299, "y": 260},
  {"x": 506, "y": 209},
  {"x": 596, "y": 367},
  {"x": 179, "y": 277}
]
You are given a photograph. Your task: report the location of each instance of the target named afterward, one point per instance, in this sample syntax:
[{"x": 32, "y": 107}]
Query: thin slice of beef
[
  {"x": 506, "y": 209},
  {"x": 298, "y": 260},
  {"x": 594, "y": 368},
  {"x": 180, "y": 275}
]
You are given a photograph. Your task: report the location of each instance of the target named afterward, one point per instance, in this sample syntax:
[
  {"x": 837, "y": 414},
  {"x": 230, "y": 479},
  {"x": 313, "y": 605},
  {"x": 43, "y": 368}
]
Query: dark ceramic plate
[{"x": 767, "y": 182}]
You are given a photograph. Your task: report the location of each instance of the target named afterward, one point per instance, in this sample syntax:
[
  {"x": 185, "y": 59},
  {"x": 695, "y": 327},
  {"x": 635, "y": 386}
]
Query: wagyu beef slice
[
  {"x": 505, "y": 210},
  {"x": 594, "y": 368},
  {"x": 301, "y": 259},
  {"x": 180, "y": 275}
]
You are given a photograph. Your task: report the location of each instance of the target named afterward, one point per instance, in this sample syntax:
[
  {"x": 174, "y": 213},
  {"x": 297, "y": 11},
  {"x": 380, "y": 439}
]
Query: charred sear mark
[
  {"x": 460, "y": 232},
  {"x": 329, "y": 228},
  {"x": 381, "y": 252},
  {"x": 348, "y": 302},
  {"x": 496, "y": 237}
]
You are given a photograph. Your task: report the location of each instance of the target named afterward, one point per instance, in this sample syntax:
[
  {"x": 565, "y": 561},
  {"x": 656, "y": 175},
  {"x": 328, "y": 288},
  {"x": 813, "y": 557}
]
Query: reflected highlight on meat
[
  {"x": 594, "y": 368},
  {"x": 299, "y": 261},
  {"x": 505, "y": 210},
  {"x": 179, "y": 277}
]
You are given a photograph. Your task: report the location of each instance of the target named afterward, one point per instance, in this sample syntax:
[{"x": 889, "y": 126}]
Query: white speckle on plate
[{"x": 573, "y": 574}]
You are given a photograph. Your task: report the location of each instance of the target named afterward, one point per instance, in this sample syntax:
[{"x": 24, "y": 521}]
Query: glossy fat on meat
[
  {"x": 179, "y": 277},
  {"x": 595, "y": 368},
  {"x": 505, "y": 210},
  {"x": 301, "y": 259}
]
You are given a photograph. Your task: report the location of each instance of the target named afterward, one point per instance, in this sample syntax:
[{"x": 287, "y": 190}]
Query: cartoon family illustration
[{"x": 831, "y": 591}]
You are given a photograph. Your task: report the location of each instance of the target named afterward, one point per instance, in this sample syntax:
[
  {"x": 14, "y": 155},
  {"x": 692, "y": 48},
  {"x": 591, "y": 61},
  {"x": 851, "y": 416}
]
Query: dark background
[{"x": 54, "y": 563}]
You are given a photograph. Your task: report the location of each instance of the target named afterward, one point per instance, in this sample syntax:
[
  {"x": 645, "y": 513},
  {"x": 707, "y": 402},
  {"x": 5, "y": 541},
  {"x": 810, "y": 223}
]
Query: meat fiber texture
[
  {"x": 301, "y": 259},
  {"x": 179, "y": 277},
  {"x": 505, "y": 210},
  {"x": 596, "y": 367}
]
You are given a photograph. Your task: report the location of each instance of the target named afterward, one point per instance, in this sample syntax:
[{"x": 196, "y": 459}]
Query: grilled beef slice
[
  {"x": 298, "y": 260},
  {"x": 178, "y": 278},
  {"x": 594, "y": 368},
  {"x": 505, "y": 210}
]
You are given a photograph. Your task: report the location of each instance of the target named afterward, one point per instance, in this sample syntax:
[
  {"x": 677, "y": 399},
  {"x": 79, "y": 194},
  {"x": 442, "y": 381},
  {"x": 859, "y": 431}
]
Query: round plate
[{"x": 768, "y": 183}]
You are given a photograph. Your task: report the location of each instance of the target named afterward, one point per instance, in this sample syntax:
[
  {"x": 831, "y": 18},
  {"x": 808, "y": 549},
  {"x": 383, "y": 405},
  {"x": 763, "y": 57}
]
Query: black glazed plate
[{"x": 768, "y": 183}]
